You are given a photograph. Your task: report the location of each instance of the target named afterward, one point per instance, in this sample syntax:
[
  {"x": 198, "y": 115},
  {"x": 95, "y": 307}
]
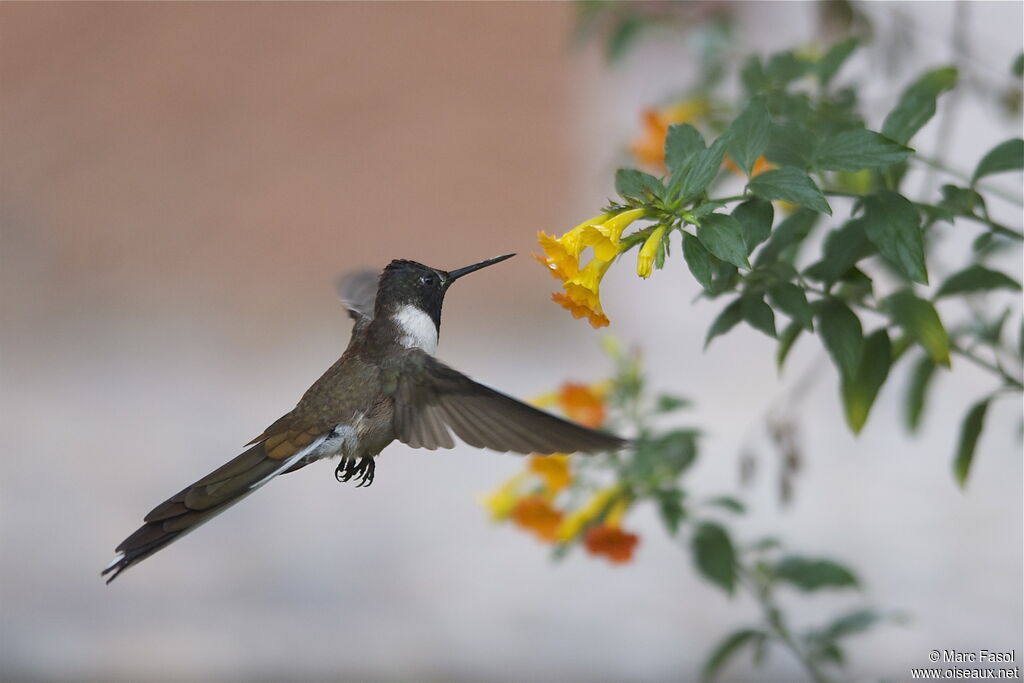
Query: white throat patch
[{"x": 418, "y": 329}]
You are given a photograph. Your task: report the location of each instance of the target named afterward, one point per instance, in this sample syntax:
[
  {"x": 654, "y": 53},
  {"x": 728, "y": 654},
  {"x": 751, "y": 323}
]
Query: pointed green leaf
[
  {"x": 722, "y": 235},
  {"x": 791, "y": 144},
  {"x": 854, "y": 150},
  {"x": 725, "y": 651},
  {"x": 786, "y": 341},
  {"x": 894, "y": 226},
  {"x": 917, "y": 104},
  {"x": 791, "y": 300},
  {"x": 704, "y": 169},
  {"x": 851, "y": 623},
  {"x": 790, "y": 185},
  {"x": 756, "y": 216},
  {"x": 702, "y": 264},
  {"x": 759, "y": 315},
  {"x": 670, "y": 506},
  {"x": 728, "y": 503},
  {"x": 631, "y": 183},
  {"x": 682, "y": 145},
  {"x": 1007, "y": 156},
  {"x": 748, "y": 135},
  {"x": 834, "y": 59},
  {"x": 788, "y": 235},
  {"x": 841, "y": 331},
  {"x": 842, "y": 250},
  {"x": 970, "y": 430},
  {"x": 917, "y": 391},
  {"x": 921, "y": 322},
  {"x": 726, "y": 320},
  {"x": 714, "y": 555},
  {"x": 811, "y": 574},
  {"x": 860, "y": 390},
  {"x": 976, "y": 279}
]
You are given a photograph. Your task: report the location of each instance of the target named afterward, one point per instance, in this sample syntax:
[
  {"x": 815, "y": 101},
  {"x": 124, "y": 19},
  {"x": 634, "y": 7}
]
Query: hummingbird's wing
[
  {"x": 431, "y": 398},
  {"x": 277, "y": 452},
  {"x": 358, "y": 291}
]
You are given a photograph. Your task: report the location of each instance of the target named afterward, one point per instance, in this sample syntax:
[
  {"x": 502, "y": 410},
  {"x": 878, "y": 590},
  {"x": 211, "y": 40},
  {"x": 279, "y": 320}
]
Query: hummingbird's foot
[{"x": 362, "y": 468}]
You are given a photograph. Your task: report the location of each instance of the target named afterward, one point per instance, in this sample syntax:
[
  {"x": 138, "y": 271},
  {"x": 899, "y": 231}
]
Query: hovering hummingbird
[{"x": 386, "y": 386}]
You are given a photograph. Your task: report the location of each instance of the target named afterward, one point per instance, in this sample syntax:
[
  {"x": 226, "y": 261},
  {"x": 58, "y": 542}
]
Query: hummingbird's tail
[{"x": 200, "y": 502}]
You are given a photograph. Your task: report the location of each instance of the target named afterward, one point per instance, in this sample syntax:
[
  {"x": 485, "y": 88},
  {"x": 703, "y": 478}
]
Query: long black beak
[{"x": 454, "y": 275}]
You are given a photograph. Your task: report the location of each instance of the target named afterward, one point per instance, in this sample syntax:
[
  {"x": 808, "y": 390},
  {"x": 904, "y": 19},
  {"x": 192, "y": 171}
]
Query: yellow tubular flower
[
  {"x": 574, "y": 523},
  {"x": 615, "y": 514},
  {"x": 502, "y": 501},
  {"x": 645, "y": 260},
  {"x": 604, "y": 237},
  {"x": 562, "y": 255}
]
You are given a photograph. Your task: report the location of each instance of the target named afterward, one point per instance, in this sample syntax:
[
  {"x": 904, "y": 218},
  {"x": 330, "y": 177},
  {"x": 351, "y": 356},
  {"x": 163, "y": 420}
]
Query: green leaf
[
  {"x": 791, "y": 144},
  {"x": 759, "y": 315},
  {"x": 976, "y": 279},
  {"x": 786, "y": 341},
  {"x": 756, "y": 216},
  {"x": 722, "y": 235},
  {"x": 714, "y": 555},
  {"x": 622, "y": 36},
  {"x": 854, "y": 150},
  {"x": 812, "y": 574},
  {"x": 670, "y": 507},
  {"x": 1007, "y": 156},
  {"x": 726, "y": 650},
  {"x": 841, "y": 331},
  {"x": 728, "y": 503},
  {"x": 665, "y": 456},
  {"x": 917, "y": 104},
  {"x": 860, "y": 390},
  {"x": 791, "y": 185},
  {"x": 917, "y": 391},
  {"x": 970, "y": 430},
  {"x": 701, "y": 263},
  {"x": 682, "y": 145},
  {"x": 788, "y": 235},
  {"x": 704, "y": 169},
  {"x": 852, "y": 623},
  {"x": 834, "y": 59},
  {"x": 894, "y": 226},
  {"x": 726, "y": 320},
  {"x": 921, "y": 322},
  {"x": 631, "y": 183},
  {"x": 961, "y": 200},
  {"x": 791, "y": 300},
  {"x": 785, "y": 67},
  {"x": 842, "y": 250},
  {"x": 748, "y": 135},
  {"x": 1018, "y": 65},
  {"x": 667, "y": 403}
]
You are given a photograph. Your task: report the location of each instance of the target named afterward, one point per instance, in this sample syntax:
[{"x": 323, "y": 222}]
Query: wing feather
[{"x": 432, "y": 398}]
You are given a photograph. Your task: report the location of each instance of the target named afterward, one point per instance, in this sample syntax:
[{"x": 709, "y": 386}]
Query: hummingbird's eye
[{"x": 428, "y": 280}]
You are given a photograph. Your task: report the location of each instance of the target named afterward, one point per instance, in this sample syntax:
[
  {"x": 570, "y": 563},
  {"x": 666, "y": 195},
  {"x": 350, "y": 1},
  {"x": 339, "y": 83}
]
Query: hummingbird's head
[{"x": 412, "y": 293}]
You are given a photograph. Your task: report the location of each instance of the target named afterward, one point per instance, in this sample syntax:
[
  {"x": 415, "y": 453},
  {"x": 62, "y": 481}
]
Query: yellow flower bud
[{"x": 645, "y": 261}]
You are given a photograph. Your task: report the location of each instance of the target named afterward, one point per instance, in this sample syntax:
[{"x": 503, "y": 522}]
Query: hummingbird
[{"x": 386, "y": 386}]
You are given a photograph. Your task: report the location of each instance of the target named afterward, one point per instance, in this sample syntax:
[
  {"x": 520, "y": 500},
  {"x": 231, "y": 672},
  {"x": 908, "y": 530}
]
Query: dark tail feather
[{"x": 196, "y": 504}]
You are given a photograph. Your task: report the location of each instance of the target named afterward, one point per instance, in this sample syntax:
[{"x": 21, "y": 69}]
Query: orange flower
[
  {"x": 612, "y": 542},
  {"x": 596, "y": 317},
  {"x": 582, "y": 403},
  {"x": 553, "y": 469},
  {"x": 536, "y": 514},
  {"x": 760, "y": 166},
  {"x": 649, "y": 148}
]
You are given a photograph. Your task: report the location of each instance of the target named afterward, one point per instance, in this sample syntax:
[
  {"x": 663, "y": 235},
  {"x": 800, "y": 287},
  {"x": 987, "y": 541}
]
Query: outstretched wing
[
  {"x": 358, "y": 291},
  {"x": 431, "y": 398}
]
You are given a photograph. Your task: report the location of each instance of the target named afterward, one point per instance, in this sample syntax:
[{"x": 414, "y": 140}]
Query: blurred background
[{"x": 180, "y": 184}]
